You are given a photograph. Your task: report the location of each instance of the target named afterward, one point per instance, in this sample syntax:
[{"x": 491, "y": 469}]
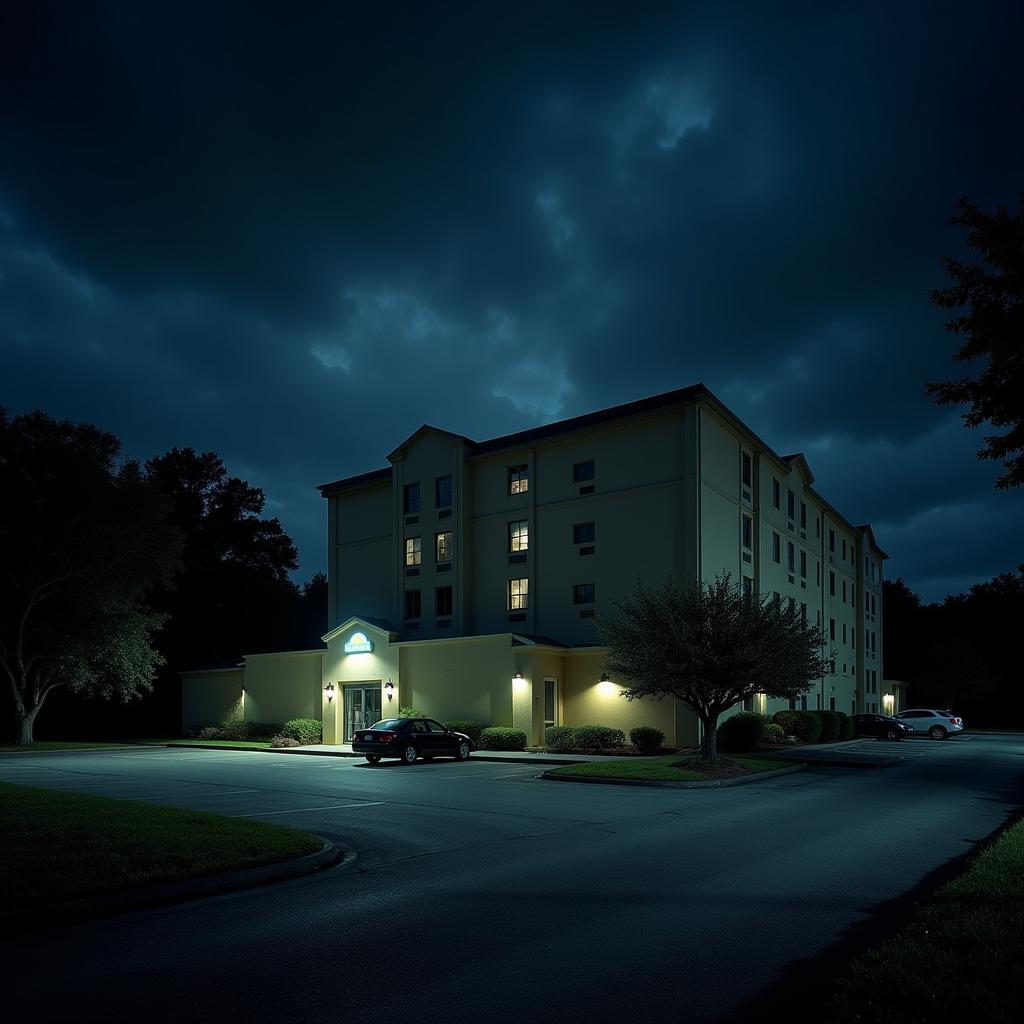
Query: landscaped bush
[
  {"x": 410, "y": 712},
  {"x": 597, "y": 737},
  {"x": 847, "y": 726},
  {"x": 741, "y": 732},
  {"x": 209, "y": 732},
  {"x": 646, "y": 738},
  {"x": 829, "y": 726},
  {"x": 773, "y": 733},
  {"x": 234, "y": 730},
  {"x": 801, "y": 724},
  {"x": 500, "y": 737},
  {"x": 470, "y": 728},
  {"x": 558, "y": 738},
  {"x": 283, "y": 741},
  {"x": 264, "y": 729},
  {"x": 305, "y": 730}
]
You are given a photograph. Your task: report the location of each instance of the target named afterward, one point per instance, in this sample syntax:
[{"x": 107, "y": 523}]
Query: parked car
[
  {"x": 937, "y": 724},
  {"x": 409, "y": 739},
  {"x": 881, "y": 725}
]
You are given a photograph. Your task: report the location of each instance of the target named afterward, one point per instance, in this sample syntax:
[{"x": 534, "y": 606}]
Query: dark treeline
[{"x": 960, "y": 654}]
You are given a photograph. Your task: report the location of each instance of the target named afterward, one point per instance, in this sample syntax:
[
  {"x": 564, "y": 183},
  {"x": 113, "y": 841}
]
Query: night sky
[{"x": 293, "y": 233}]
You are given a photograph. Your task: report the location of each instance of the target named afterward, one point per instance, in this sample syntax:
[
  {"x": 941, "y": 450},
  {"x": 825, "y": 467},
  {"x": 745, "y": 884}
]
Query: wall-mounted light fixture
[
  {"x": 329, "y": 690},
  {"x": 604, "y": 678},
  {"x": 517, "y": 674},
  {"x": 389, "y": 689}
]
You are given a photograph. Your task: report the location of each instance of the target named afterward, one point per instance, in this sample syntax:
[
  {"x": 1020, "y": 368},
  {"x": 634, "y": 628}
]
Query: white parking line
[
  {"x": 299, "y": 810},
  {"x": 199, "y": 796}
]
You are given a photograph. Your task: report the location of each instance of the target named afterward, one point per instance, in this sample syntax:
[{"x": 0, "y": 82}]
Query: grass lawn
[
  {"x": 960, "y": 957},
  {"x": 659, "y": 769},
  {"x": 44, "y": 745},
  {"x": 59, "y": 846}
]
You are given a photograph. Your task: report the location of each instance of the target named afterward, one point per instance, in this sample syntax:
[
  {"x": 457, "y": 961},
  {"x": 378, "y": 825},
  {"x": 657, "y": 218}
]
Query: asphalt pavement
[{"x": 481, "y": 892}]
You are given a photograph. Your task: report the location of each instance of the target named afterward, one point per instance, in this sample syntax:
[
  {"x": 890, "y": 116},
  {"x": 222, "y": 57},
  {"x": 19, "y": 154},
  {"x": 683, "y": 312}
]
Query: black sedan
[
  {"x": 410, "y": 738},
  {"x": 881, "y": 725}
]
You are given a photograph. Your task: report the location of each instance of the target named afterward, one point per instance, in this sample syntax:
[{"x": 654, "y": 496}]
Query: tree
[
  {"x": 993, "y": 330},
  {"x": 82, "y": 542},
  {"x": 953, "y": 670},
  {"x": 234, "y": 595},
  {"x": 711, "y": 647}
]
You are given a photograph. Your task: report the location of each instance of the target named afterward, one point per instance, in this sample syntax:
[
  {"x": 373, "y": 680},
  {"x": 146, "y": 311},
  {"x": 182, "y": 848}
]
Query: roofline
[
  {"x": 281, "y": 654},
  {"x": 210, "y": 671},
  {"x": 372, "y": 477}
]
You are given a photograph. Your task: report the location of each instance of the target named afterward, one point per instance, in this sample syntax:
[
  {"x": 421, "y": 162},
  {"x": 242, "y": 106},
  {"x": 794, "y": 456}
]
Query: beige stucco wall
[
  {"x": 362, "y": 553},
  {"x": 282, "y": 686},
  {"x": 211, "y": 697}
]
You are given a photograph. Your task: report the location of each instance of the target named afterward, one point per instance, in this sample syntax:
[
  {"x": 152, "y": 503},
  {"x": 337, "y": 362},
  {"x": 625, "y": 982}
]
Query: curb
[
  {"x": 87, "y": 750},
  {"x": 474, "y": 756},
  {"x": 104, "y": 904},
  {"x": 712, "y": 783},
  {"x": 869, "y": 761}
]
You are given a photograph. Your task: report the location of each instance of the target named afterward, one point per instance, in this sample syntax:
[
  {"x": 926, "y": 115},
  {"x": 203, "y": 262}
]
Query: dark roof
[
  {"x": 542, "y": 640},
  {"x": 215, "y": 666},
  {"x": 534, "y": 434}
]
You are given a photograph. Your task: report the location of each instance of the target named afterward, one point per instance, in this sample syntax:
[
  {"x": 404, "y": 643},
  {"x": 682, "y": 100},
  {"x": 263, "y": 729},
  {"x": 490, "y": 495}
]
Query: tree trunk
[
  {"x": 709, "y": 743},
  {"x": 25, "y": 723}
]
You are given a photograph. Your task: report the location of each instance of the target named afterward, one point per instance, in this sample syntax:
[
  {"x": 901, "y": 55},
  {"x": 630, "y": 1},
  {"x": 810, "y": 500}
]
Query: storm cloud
[{"x": 292, "y": 234}]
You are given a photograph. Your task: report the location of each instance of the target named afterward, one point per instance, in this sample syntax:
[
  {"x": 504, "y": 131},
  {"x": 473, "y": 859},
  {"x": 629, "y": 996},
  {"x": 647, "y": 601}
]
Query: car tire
[
  {"x": 462, "y": 751},
  {"x": 937, "y": 732},
  {"x": 409, "y": 754},
  {"x": 373, "y": 758},
  {"x": 891, "y": 734}
]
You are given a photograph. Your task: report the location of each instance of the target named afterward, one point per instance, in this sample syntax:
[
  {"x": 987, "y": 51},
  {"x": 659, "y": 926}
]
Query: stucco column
[
  {"x": 522, "y": 701},
  {"x": 331, "y": 717}
]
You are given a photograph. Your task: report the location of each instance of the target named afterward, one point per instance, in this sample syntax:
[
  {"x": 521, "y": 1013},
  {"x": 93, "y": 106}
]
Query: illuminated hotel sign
[{"x": 358, "y": 644}]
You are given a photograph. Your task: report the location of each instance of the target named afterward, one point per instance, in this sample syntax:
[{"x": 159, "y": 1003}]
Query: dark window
[
  {"x": 583, "y": 593},
  {"x": 803, "y": 564},
  {"x": 412, "y": 604},
  {"x": 831, "y": 539},
  {"x": 443, "y": 491},
  {"x": 776, "y": 494},
  {"x": 746, "y": 473},
  {"x": 791, "y": 557},
  {"x": 832, "y": 583},
  {"x": 582, "y": 471},
  {"x": 791, "y": 505},
  {"x": 412, "y": 498},
  {"x": 832, "y": 628},
  {"x": 776, "y": 547},
  {"x": 442, "y": 601},
  {"x": 844, "y": 550},
  {"x": 583, "y": 533},
  {"x": 748, "y": 588},
  {"x": 748, "y": 531},
  {"x": 803, "y": 515},
  {"x": 518, "y": 481},
  {"x": 433, "y": 726}
]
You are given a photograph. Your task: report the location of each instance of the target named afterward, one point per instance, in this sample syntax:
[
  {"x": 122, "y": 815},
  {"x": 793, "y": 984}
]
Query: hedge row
[
  {"x": 561, "y": 738},
  {"x": 746, "y": 730}
]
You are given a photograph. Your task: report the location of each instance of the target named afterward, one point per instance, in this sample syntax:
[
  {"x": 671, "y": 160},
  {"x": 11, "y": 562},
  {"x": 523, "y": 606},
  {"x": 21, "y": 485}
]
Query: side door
[{"x": 441, "y": 742}]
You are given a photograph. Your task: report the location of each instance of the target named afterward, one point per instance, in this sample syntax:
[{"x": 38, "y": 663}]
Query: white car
[{"x": 937, "y": 724}]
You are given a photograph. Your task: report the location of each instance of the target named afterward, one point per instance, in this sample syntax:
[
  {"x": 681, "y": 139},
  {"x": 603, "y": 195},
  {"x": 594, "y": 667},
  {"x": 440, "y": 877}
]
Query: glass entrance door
[
  {"x": 362, "y": 707},
  {"x": 550, "y": 702}
]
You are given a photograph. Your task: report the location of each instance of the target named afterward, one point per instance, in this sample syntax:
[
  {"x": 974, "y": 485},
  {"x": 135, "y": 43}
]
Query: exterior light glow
[
  {"x": 604, "y": 677},
  {"x": 329, "y": 690},
  {"x": 389, "y": 689}
]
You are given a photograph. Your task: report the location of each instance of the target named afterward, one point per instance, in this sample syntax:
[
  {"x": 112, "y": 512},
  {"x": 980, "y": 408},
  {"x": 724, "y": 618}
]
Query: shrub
[
  {"x": 805, "y": 726},
  {"x": 468, "y": 726},
  {"x": 234, "y": 730},
  {"x": 829, "y": 726},
  {"x": 283, "y": 741},
  {"x": 410, "y": 712},
  {"x": 646, "y": 738},
  {"x": 741, "y": 732},
  {"x": 500, "y": 737},
  {"x": 558, "y": 737},
  {"x": 209, "y": 732},
  {"x": 846, "y": 726},
  {"x": 305, "y": 730},
  {"x": 263, "y": 729},
  {"x": 597, "y": 737},
  {"x": 773, "y": 733}
]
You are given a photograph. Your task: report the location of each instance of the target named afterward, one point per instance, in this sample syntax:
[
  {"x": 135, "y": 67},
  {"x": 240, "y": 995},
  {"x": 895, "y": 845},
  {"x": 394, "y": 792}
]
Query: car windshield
[{"x": 388, "y": 723}]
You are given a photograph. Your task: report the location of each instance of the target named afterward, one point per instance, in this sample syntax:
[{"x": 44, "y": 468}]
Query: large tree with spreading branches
[
  {"x": 710, "y": 646},
  {"x": 84, "y": 538},
  {"x": 990, "y": 295}
]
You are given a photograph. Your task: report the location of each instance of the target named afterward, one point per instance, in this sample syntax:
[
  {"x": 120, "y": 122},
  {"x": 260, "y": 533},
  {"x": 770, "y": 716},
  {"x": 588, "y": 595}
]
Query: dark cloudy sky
[{"x": 291, "y": 233}]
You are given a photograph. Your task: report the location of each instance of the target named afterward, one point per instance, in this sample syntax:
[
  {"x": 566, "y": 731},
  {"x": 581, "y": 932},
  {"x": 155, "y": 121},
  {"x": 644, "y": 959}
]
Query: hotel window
[
  {"x": 844, "y": 632},
  {"x": 518, "y": 481},
  {"x": 413, "y": 550},
  {"x": 583, "y": 593},
  {"x": 874, "y": 637},
  {"x": 412, "y": 604},
  {"x": 776, "y": 548},
  {"x": 583, "y": 533},
  {"x": 442, "y": 492},
  {"x": 844, "y": 591},
  {"x": 518, "y": 595},
  {"x": 817, "y": 573},
  {"x": 831, "y": 583},
  {"x": 444, "y": 543},
  {"x": 803, "y": 515},
  {"x": 747, "y": 527},
  {"x": 791, "y": 505},
  {"x": 832, "y": 629},
  {"x": 790, "y": 557},
  {"x": 411, "y": 498},
  {"x": 776, "y": 494},
  {"x": 582, "y": 471},
  {"x": 803, "y": 613},
  {"x": 792, "y": 604},
  {"x": 519, "y": 535},
  {"x": 844, "y": 549},
  {"x": 746, "y": 468},
  {"x": 853, "y": 637},
  {"x": 817, "y": 526},
  {"x": 831, "y": 539},
  {"x": 442, "y": 601},
  {"x": 803, "y": 565},
  {"x": 748, "y": 588}
]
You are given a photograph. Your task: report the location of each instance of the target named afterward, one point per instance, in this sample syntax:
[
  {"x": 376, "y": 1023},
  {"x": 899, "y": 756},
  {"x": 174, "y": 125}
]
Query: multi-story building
[{"x": 464, "y": 577}]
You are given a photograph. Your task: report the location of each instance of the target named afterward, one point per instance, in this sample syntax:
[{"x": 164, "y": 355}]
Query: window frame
[
  {"x": 518, "y": 479},
  {"x": 416, "y": 551},
  {"x": 411, "y": 496},
  {"x": 450, "y": 545},
  {"x": 580, "y": 474},
  {"x": 580, "y": 592},
  {"x": 438, "y": 481},
  {"x": 517, "y": 594},
  {"x": 521, "y": 526}
]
